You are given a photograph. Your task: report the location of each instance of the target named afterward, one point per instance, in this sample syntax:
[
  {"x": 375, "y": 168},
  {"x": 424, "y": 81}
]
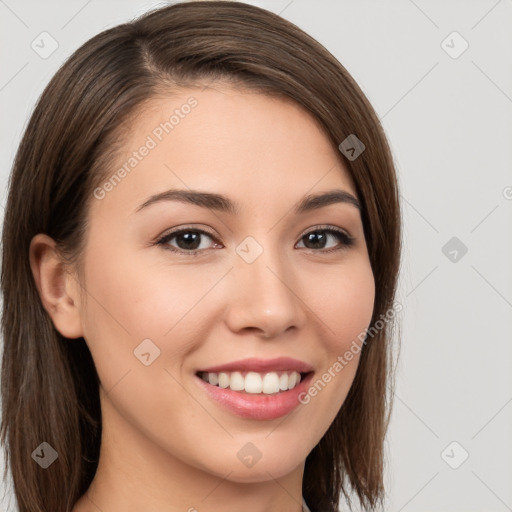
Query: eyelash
[{"x": 346, "y": 240}]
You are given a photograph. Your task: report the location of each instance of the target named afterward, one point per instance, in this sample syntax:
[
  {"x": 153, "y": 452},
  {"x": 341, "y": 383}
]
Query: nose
[{"x": 264, "y": 296}]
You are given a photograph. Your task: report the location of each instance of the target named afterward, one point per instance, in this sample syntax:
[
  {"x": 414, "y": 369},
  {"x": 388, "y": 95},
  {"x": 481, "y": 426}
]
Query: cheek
[
  {"x": 128, "y": 302},
  {"x": 345, "y": 304},
  {"x": 344, "y": 307}
]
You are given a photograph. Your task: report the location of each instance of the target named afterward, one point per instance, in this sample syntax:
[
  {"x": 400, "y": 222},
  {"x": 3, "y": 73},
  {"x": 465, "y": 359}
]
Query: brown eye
[
  {"x": 318, "y": 239},
  {"x": 186, "y": 240}
]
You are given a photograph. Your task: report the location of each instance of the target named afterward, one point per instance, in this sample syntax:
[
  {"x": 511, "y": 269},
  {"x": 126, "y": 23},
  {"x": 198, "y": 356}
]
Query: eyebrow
[{"x": 222, "y": 203}]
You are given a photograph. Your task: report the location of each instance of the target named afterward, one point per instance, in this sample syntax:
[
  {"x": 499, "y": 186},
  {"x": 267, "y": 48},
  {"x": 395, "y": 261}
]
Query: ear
[{"x": 58, "y": 289}]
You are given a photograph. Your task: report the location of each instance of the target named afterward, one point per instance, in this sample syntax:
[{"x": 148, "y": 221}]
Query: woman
[{"x": 200, "y": 256}]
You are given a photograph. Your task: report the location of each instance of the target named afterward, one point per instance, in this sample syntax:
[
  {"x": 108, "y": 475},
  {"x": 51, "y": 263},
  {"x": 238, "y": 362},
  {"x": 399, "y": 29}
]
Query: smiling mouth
[{"x": 265, "y": 383}]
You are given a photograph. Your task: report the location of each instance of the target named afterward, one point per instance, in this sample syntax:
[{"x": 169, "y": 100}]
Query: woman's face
[{"x": 239, "y": 283}]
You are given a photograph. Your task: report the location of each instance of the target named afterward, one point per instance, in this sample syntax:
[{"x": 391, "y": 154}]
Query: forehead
[{"x": 253, "y": 147}]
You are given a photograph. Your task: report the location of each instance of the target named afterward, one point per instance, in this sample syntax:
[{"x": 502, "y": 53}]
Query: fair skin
[{"x": 166, "y": 445}]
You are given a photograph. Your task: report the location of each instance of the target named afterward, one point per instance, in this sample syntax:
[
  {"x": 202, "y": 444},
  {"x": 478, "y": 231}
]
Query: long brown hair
[{"x": 49, "y": 383}]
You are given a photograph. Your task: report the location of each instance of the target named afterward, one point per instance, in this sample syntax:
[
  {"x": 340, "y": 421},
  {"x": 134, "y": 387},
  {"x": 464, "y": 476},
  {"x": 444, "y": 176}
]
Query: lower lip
[{"x": 257, "y": 406}]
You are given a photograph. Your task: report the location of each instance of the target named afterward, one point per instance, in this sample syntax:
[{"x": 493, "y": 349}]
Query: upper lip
[{"x": 261, "y": 365}]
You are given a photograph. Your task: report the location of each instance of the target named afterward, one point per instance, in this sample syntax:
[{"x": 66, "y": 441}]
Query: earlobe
[{"x": 57, "y": 288}]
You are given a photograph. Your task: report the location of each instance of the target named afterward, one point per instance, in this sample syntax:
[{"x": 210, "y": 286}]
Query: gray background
[{"x": 449, "y": 123}]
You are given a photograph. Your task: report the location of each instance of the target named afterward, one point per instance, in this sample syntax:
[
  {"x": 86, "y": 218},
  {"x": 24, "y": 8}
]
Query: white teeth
[
  {"x": 253, "y": 382},
  {"x": 283, "y": 382},
  {"x": 271, "y": 383},
  {"x": 223, "y": 380},
  {"x": 237, "y": 382}
]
